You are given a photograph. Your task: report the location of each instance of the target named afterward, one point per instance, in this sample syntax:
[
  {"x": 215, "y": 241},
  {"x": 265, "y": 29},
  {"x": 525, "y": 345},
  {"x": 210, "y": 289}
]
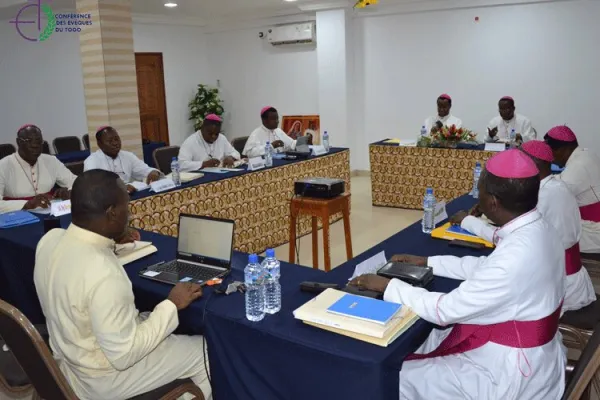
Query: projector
[{"x": 322, "y": 188}]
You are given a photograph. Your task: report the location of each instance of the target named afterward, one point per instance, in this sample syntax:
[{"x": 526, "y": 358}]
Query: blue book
[
  {"x": 365, "y": 308},
  {"x": 458, "y": 230},
  {"x": 17, "y": 218}
]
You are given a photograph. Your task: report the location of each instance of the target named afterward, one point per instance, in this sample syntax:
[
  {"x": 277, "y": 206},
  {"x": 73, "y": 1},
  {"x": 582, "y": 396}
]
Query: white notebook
[{"x": 130, "y": 252}]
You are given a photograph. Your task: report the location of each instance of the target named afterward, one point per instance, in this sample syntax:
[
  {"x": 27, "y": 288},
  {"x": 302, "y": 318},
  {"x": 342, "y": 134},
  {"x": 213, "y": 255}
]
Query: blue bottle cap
[
  {"x": 478, "y": 164},
  {"x": 253, "y": 259},
  {"x": 270, "y": 253},
  {"x": 268, "y": 142},
  {"x": 174, "y": 159},
  {"x": 429, "y": 191}
]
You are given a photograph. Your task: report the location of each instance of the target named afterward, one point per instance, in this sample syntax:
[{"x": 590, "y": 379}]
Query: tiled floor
[{"x": 370, "y": 226}]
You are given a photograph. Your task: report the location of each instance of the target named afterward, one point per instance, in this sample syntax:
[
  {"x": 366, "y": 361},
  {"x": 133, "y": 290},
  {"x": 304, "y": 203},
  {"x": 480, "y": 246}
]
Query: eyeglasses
[{"x": 30, "y": 142}]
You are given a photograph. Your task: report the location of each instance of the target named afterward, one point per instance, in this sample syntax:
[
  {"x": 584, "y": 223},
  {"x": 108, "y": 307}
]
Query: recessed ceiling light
[
  {"x": 170, "y": 4},
  {"x": 289, "y": 1}
]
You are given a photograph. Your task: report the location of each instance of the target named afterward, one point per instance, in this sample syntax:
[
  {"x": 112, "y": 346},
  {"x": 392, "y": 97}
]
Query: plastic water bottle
[
  {"x": 476, "y": 175},
  {"x": 255, "y": 289},
  {"x": 272, "y": 286},
  {"x": 268, "y": 155},
  {"x": 428, "y": 208},
  {"x": 175, "y": 174},
  {"x": 326, "y": 141},
  {"x": 513, "y": 135},
  {"x": 423, "y": 131}
]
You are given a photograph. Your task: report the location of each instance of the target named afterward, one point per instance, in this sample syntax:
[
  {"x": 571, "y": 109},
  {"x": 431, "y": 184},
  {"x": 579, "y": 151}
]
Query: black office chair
[
  {"x": 45, "y": 148},
  {"x": 239, "y": 143},
  {"x": 6, "y": 150},
  {"x": 578, "y": 383},
  {"x": 75, "y": 167},
  {"x": 66, "y": 144},
  {"x": 86, "y": 141},
  {"x": 163, "y": 157}
]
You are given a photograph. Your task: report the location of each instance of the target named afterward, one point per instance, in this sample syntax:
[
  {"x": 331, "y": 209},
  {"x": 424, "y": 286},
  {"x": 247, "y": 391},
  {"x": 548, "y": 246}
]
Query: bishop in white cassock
[
  {"x": 582, "y": 177},
  {"x": 28, "y": 177},
  {"x": 207, "y": 148},
  {"x": 444, "y": 118},
  {"x": 505, "y": 343},
  {"x": 105, "y": 348},
  {"x": 500, "y": 127},
  {"x": 268, "y": 132},
  {"x": 110, "y": 157},
  {"x": 559, "y": 208}
]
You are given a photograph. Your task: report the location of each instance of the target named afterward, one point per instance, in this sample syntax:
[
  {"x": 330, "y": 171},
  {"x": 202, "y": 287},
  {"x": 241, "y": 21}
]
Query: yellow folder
[{"x": 442, "y": 233}]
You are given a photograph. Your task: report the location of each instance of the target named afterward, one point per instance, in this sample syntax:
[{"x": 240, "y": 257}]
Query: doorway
[{"x": 151, "y": 94}]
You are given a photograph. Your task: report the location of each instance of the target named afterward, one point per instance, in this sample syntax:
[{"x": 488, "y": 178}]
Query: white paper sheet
[
  {"x": 439, "y": 213},
  {"x": 495, "y": 146},
  {"x": 60, "y": 208},
  {"x": 370, "y": 265},
  {"x": 139, "y": 186},
  {"x": 151, "y": 274}
]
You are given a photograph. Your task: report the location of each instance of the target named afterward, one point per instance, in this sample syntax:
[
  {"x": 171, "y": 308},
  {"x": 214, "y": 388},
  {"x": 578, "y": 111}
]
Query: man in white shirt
[
  {"x": 582, "y": 177},
  {"x": 559, "y": 208},
  {"x": 504, "y": 343},
  {"x": 105, "y": 348},
  {"x": 207, "y": 148},
  {"x": 444, "y": 118},
  {"x": 28, "y": 177},
  {"x": 502, "y": 126},
  {"x": 268, "y": 132},
  {"x": 110, "y": 157}
]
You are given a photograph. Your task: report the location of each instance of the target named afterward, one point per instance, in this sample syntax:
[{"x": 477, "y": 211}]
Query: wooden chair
[
  {"x": 34, "y": 357},
  {"x": 324, "y": 209},
  {"x": 86, "y": 141},
  {"x": 75, "y": 167},
  {"x": 66, "y": 144},
  {"x": 240, "y": 143},
  {"x": 578, "y": 383},
  {"x": 163, "y": 157},
  {"x": 6, "y": 150}
]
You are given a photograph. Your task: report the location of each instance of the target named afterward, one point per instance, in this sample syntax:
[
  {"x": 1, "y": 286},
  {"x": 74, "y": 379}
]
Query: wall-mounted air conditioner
[{"x": 305, "y": 32}]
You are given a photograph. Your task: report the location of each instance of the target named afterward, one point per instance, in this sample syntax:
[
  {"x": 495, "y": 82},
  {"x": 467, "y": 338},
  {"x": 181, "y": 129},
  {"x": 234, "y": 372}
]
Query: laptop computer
[
  {"x": 204, "y": 252},
  {"x": 302, "y": 148}
]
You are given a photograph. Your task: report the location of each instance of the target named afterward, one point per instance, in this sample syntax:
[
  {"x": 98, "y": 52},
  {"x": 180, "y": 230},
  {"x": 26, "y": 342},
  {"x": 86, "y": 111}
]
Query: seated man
[
  {"x": 110, "y": 157},
  {"x": 504, "y": 343},
  {"x": 559, "y": 208},
  {"x": 207, "y": 147},
  {"x": 583, "y": 179},
  {"x": 268, "y": 132},
  {"x": 444, "y": 118},
  {"x": 105, "y": 348},
  {"x": 501, "y": 126},
  {"x": 28, "y": 177}
]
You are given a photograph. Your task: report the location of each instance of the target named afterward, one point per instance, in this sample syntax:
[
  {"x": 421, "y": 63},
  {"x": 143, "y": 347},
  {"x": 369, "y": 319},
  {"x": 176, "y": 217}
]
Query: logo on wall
[{"x": 36, "y": 21}]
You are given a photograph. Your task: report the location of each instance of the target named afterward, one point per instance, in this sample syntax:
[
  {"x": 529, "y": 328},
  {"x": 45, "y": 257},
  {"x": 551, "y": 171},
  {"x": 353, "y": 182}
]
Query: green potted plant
[{"x": 205, "y": 102}]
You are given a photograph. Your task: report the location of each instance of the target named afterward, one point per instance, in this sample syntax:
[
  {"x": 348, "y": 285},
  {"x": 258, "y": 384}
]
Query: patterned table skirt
[
  {"x": 258, "y": 202},
  {"x": 400, "y": 175}
]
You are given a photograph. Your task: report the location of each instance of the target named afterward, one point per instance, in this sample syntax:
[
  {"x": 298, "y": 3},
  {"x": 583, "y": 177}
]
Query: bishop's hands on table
[{"x": 378, "y": 283}]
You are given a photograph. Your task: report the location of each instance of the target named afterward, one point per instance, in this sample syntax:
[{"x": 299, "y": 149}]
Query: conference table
[
  {"x": 401, "y": 174},
  {"x": 279, "y": 357}
]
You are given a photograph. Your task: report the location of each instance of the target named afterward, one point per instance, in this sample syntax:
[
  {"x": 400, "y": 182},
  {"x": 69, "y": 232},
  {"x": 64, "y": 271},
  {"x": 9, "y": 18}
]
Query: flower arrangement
[
  {"x": 452, "y": 134},
  {"x": 365, "y": 3},
  {"x": 205, "y": 102}
]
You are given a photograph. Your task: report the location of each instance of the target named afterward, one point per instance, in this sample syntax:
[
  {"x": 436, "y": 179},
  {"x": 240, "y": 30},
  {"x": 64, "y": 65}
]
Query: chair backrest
[
  {"x": 586, "y": 368},
  {"x": 46, "y": 148},
  {"x": 163, "y": 157},
  {"x": 86, "y": 141},
  {"x": 66, "y": 144},
  {"x": 75, "y": 167},
  {"x": 33, "y": 355},
  {"x": 239, "y": 143},
  {"x": 6, "y": 150}
]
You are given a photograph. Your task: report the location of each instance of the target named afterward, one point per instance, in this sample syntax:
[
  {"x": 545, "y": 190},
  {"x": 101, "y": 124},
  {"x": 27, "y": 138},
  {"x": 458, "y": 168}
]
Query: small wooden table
[{"x": 324, "y": 209}]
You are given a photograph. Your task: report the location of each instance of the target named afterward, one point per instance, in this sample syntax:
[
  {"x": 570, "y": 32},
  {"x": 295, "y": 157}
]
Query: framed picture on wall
[{"x": 301, "y": 125}]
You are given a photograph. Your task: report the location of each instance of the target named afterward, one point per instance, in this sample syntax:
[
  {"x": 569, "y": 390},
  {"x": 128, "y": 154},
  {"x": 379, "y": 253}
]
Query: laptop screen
[{"x": 211, "y": 240}]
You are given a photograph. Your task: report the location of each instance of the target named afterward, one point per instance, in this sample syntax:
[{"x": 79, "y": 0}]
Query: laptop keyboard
[{"x": 185, "y": 270}]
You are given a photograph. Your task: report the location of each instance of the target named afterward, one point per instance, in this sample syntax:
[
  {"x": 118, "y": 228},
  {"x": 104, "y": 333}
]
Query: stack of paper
[
  {"x": 376, "y": 331},
  {"x": 130, "y": 252},
  {"x": 186, "y": 177}
]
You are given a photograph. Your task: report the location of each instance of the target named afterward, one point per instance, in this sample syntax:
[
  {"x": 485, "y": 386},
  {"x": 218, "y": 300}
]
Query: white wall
[
  {"x": 254, "y": 74},
  {"x": 544, "y": 55}
]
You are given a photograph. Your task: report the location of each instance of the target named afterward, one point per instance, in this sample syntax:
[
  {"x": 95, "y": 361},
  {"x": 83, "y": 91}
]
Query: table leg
[
  {"x": 293, "y": 223},
  {"x": 315, "y": 242},
  {"x": 325, "y": 221},
  {"x": 347, "y": 232}
]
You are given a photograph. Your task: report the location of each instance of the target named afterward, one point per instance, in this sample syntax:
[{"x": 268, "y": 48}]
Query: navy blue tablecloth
[
  {"x": 279, "y": 357},
  {"x": 73, "y": 156}
]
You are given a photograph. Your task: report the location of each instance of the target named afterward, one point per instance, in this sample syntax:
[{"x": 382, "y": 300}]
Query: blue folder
[
  {"x": 17, "y": 218},
  {"x": 365, "y": 308},
  {"x": 458, "y": 230}
]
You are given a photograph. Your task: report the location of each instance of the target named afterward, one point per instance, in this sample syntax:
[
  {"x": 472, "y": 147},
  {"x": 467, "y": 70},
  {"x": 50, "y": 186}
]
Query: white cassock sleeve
[
  {"x": 493, "y": 124},
  {"x": 478, "y": 227},
  {"x": 123, "y": 338},
  {"x": 91, "y": 163},
  {"x": 288, "y": 142},
  {"x": 8, "y": 205},
  {"x": 575, "y": 178},
  {"x": 255, "y": 147},
  {"x": 528, "y": 132},
  {"x": 64, "y": 177},
  {"x": 458, "y": 122},
  {"x": 187, "y": 162},
  {"x": 229, "y": 150},
  {"x": 486, "y": 288},
  {"x": 139, "y": 169}
]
